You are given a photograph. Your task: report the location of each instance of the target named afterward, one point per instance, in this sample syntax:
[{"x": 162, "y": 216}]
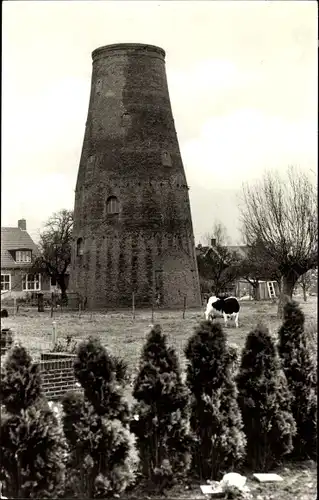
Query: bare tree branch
[
  {"x": 282, "y": 215},
  {"x": 55, "y": 247},
  {"x": 219, "y": 267},
  {"x": 219, "y": 233}
]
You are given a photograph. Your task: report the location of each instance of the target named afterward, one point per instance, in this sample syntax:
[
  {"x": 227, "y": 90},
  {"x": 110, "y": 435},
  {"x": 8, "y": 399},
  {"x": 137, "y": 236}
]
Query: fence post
[
  {"x": 52, "y": 304},
  {"x": 14, "y": 306},
  {"x": 80, "y": 308},
  {"x": 40, "y": 303},
  {"x": 184, "y": 307},
  {"x": 133, "y": 304},
  {"x": 152, "y": 312},
  {"x": 54, "y": 335}
]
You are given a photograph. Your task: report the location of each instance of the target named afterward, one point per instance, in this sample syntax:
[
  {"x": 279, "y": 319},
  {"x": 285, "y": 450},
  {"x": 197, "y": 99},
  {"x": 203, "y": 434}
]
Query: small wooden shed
[
  {"x": 243, "y": 288},
  {"x": 264, "y": 290}
]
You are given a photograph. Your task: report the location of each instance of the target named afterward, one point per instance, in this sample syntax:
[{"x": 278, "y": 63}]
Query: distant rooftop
[{"x": 15, "y": 238}]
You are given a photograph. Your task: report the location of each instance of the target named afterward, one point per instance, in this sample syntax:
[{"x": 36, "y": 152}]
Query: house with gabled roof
[
  {"x": 17, "y": 252},
  {"x": 240, "y": 250},
  {"x": 240, "y": 287}
]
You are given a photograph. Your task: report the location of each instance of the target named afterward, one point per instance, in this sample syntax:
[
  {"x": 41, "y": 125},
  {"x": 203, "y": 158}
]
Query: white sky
[{"x": 242, "y": 77}]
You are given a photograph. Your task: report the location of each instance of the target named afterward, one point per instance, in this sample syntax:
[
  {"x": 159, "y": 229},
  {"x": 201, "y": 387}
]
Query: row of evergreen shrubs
[{"x": 218, "y": 420}]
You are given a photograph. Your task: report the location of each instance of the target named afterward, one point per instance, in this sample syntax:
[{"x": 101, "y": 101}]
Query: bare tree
[
  {"x": 218, "y": 233},
  {"x": 219, "y": 267},
  {"x": 282, "y": 215},
  {"x": 306, "y": 282},
  {"x": 55, "y": 248},
  {"x": 257, "y": 266}
]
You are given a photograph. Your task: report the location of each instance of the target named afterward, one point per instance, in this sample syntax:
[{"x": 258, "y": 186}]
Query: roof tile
[{"x": 14, "y": 238}]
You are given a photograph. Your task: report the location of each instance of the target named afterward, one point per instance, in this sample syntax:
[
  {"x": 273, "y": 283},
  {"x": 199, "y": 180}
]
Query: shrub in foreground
[
  {"x": 296, "y": 353},
  {"x": 234, "y": 352},
  {"x": 161, "y": 412},
  {"x": 65, "y": 345},
  {"x": 264, "y": 400},
  {"x": 103, "y": 458},
  {"x": 20, "y": 381},
  {"x": 102, "y": 377},
  {"x": 215, "y": 417},
  {"x": 32, "y": 446}
]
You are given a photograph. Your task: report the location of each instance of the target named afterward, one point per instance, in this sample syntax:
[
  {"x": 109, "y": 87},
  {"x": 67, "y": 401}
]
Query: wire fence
[
  {"x": 43, "y": 302},
  {"x": 76, "y": 305}
]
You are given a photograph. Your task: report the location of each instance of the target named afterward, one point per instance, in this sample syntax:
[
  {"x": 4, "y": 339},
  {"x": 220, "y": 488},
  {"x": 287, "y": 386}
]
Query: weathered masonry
[{"x": 132, "y": 219}]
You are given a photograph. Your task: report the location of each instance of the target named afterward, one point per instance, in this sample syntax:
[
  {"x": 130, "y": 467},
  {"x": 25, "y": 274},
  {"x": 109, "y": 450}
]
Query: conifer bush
[
  {"x": 215, "y": 417},
  {"x": 161, "y": 413},
  {"x": 234, "y": 353},
  {"x": 264, "y": 400},
  {"x": 20, "y": 381},
  {"x": 102, "y": 453},
  {"x": 296, "y": 353},
  {"x": 31, "y": 446},
  {"x": 102, "y": 376}
]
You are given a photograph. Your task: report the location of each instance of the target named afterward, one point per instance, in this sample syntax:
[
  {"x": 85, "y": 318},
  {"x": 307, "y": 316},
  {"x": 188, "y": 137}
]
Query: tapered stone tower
[{"x": 132, "y": 220}]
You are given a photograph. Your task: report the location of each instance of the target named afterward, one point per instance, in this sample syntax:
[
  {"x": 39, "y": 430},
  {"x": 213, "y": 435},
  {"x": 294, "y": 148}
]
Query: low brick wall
[
  {"x": 46, "y": 356},
  {"x": 6, "y": 340},
  {"x": 56, "y": 369},
  {"x": 57, "y": 375}
]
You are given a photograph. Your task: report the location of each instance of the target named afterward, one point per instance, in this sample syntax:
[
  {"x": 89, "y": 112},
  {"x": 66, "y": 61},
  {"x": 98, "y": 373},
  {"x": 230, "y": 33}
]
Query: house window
[
  {"x": 31, "y": 282},
  {"x": 23, "y": 256},
  {"x": 112, "y": 205},
  {"x": 79, "y": 246},
  {"x": 5, "y": 281}
]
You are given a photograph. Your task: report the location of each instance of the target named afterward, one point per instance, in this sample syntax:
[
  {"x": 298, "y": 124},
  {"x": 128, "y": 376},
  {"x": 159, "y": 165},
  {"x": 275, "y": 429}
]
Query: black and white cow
[{"x": 227, "y": 308}]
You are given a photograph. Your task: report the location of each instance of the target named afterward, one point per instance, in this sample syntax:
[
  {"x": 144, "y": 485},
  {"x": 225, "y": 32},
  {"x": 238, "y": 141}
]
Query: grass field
[{"x": 125, "y": 337}]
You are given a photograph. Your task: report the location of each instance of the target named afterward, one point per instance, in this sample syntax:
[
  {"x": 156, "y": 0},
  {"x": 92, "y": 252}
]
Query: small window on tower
[
  {"x": 126, "y": 119},
  {"x": 112, "y": 205},
  {"x": 98, "y": 86},
  {"x": 90, "y": 166},
  {"x": 79, "y": 246},
  {"x": 166, "y": 159}
]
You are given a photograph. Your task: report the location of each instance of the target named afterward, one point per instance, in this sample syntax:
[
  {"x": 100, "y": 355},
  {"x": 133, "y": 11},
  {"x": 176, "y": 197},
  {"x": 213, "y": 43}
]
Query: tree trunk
[
  {"x": 304, "y": 292},
  {"x": 61, "y": 283},
  {"x": 256, "y": 291},
  {"x": 287, "y": 285},
  {"x": 40, "y": 302}
]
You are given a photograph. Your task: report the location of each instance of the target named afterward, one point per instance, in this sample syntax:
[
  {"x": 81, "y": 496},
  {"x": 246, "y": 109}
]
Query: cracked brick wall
[{"x": 131, "y": 152}]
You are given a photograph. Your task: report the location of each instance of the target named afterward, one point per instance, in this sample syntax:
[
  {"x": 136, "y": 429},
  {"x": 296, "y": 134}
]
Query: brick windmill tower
[{"x": 132, "y": 221}]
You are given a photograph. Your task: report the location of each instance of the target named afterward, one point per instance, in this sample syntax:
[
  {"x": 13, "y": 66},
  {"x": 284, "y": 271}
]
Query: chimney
[
  {"x": 22, "y": 224},
  {"x": 213, "y": 242}
]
